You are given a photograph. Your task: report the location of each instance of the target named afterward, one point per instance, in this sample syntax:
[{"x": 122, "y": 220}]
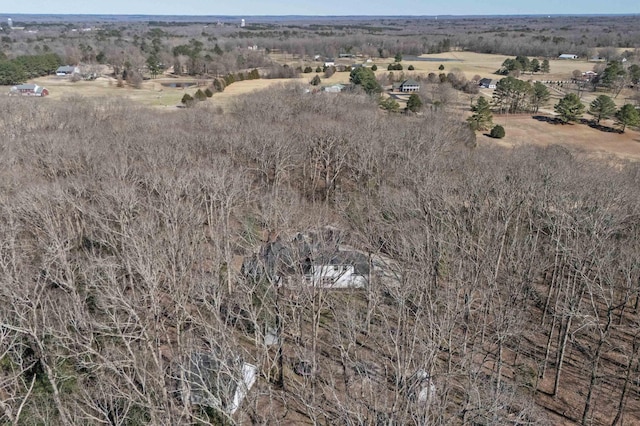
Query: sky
[{"x": 320, "y": 7}]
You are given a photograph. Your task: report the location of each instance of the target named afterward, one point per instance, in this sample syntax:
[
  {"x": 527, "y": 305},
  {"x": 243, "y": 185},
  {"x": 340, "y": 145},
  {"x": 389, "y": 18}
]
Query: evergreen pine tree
[{"x": 481, "y": 119}]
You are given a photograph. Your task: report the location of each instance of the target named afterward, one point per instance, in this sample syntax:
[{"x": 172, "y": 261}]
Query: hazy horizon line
[{"x": 329, "y": 16}]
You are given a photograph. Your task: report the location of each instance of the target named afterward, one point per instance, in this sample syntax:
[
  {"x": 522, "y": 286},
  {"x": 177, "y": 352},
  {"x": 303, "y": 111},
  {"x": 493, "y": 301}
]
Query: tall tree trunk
[
  {"x": 574, "y": 305},
  {"x": 594, "y": 369},
  {"x": 499, "y": 372},
  {"x": 279, "y": 334},
  {"x": 554, "y": 278},
  {"x": 551, "y": 330},
  {"x": 548, "y": 347},
  {"x": 625, "y": 386},
  {"x": 561, "y": 350}
]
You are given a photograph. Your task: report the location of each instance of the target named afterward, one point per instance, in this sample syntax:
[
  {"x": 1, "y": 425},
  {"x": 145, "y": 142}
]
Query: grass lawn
[
  {"x": 484, "y": 65},
  {"x": 153, "y": 92},
  {"x": 520, "y": 129}
]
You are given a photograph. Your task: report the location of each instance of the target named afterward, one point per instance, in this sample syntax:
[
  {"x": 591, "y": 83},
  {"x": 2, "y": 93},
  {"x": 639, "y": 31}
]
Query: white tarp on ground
[{"x": 249, "y": 376}]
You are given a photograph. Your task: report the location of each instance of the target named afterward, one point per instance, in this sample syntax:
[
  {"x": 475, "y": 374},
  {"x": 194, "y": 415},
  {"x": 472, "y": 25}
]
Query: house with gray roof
[
  {"x": 487, "y": 83},
  {"x": 316, "y": 257},
  {"x": 67, "y": 70}
]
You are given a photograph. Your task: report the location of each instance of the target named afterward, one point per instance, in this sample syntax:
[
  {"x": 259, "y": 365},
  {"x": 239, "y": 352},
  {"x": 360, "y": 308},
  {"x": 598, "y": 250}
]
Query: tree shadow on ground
[
  {"x": 594, "y": 125},
  {"x": 590, "y": 123},
  {"x": 547, "y": 119},
  {"x": 490, "y": 137}
]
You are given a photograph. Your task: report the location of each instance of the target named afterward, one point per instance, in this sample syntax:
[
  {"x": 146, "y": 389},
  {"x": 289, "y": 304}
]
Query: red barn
[{"x": 28, "y": 90}]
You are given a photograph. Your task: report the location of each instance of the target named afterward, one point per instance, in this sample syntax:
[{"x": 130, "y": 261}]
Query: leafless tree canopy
[{"x": 503, "y": 286}]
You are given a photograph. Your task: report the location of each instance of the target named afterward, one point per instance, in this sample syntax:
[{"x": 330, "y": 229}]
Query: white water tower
[
  {"x": 9, "y": 23},
  {"x": 242, "y": 23}
]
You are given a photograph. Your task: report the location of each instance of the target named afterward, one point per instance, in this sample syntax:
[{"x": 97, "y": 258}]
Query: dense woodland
[
  {"x": 506, "y": 282},
  {"x": 509, "y": 277}
]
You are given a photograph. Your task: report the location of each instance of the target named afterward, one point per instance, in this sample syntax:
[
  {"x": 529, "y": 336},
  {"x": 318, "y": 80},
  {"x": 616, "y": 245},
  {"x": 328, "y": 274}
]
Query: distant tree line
[{"x": 218, "y": 50}]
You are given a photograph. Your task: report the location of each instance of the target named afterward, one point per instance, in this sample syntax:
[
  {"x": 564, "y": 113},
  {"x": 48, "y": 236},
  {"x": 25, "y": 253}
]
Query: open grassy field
[
  {"x": 520, "y": 129},
  {"x": 231, "y": 92},
  {"x": 485, "y": 65},
  {"x": 525, "y": 130},
  {"x": 152, "y": 93}
]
